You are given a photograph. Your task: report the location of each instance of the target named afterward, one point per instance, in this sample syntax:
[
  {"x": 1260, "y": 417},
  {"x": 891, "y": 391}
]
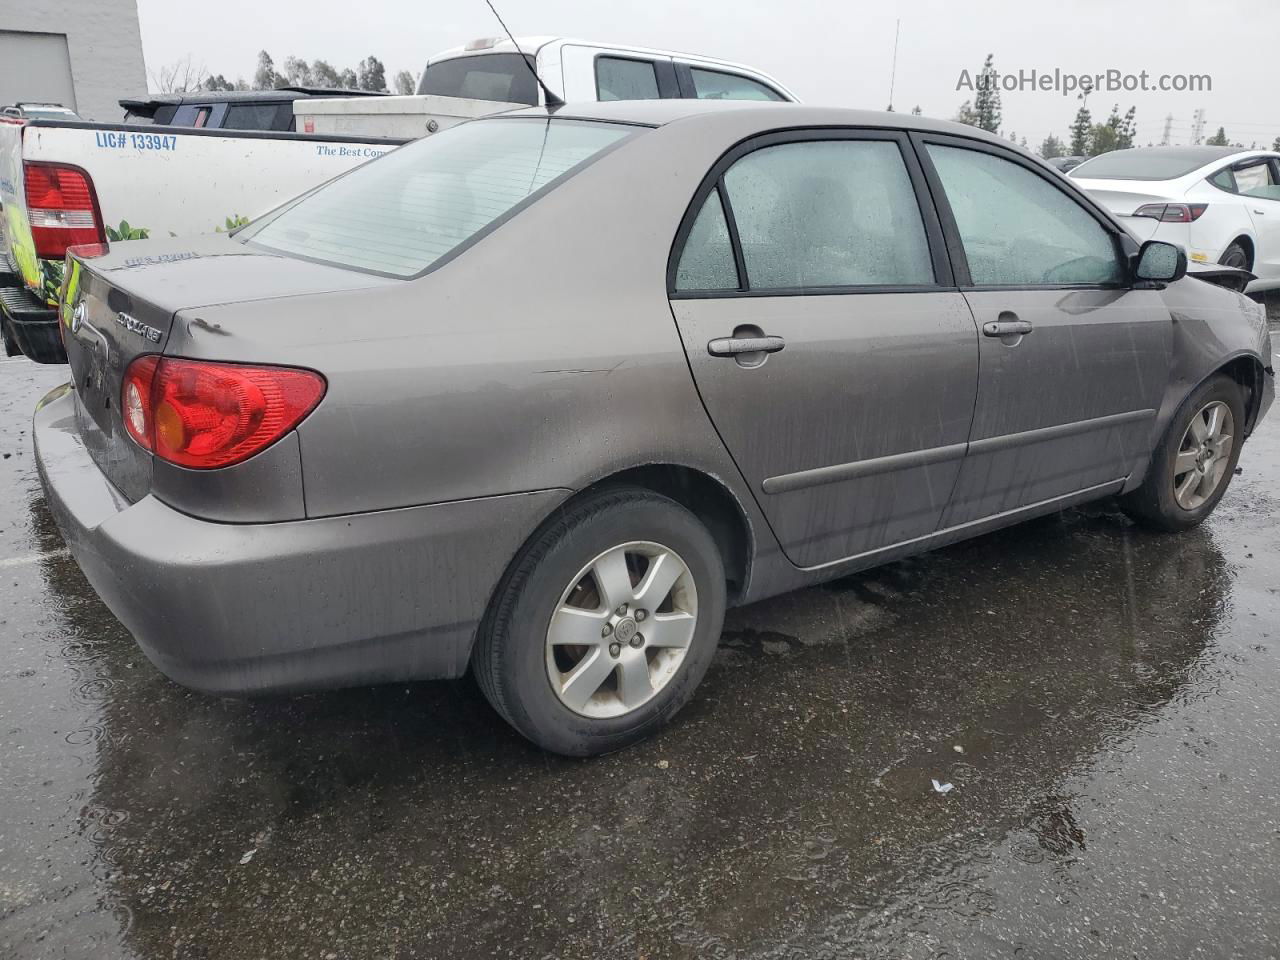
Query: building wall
[{"x": 103, "y": 44}]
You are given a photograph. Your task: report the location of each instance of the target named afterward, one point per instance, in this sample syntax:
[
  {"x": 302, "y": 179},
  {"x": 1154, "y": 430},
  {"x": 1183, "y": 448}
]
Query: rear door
[
  {"x": 1074, "y": 360},
  {"x": 839, "y": 364},
  {"x": 1259, "y": 186},
  {"x": 601, "y": 73}
]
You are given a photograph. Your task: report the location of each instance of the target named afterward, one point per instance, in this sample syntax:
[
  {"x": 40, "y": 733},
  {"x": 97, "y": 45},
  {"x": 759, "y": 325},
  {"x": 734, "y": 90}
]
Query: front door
[
  {"x": 1073, "y": 360},
  {"x": 810, "y": 288}
]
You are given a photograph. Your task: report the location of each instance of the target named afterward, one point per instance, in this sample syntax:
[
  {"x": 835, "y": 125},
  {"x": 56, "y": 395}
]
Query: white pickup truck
[{"x": 64, "y": 183}]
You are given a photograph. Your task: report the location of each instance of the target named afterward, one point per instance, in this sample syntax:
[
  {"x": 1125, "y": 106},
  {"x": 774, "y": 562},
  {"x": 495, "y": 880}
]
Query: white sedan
[{"x": 1222, "y": 204}]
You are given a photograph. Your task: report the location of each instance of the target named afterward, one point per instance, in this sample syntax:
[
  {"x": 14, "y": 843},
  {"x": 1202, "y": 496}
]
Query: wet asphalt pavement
[{"x": 1106, "y": 703}]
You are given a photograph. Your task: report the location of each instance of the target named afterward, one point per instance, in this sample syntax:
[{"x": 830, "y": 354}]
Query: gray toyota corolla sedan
[{"x": 540, "y": 395}]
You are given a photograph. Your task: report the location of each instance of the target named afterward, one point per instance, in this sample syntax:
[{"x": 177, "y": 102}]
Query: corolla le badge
[{"x": 134, "y": 325}]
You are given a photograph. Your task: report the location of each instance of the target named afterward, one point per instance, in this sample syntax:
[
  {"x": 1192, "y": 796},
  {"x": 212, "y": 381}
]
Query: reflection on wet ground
[{"x": 1104, "y": 702}]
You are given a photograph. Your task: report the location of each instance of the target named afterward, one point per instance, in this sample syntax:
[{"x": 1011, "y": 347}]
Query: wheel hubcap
[
  {"x": 621, "y": 630},
  {"x": 1203, "y": 455}
]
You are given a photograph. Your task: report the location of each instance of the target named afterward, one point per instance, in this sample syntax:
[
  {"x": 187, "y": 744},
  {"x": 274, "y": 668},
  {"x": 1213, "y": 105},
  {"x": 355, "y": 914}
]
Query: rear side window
[
  {"x": 836, "y": 213},
  {"x": 401, "y": 214},
  {"x": 1251, "y": 178},
  {"x": 1017, "y": 228},
  {"x": 251, "y": 116},
  {"x": 706, "y": 262},
  {"x": 618, "y": 78},
  {"x": 714, "y": 85},
  {"x": 1224, "y": 180},
  {"x": 506, "y": 77}
]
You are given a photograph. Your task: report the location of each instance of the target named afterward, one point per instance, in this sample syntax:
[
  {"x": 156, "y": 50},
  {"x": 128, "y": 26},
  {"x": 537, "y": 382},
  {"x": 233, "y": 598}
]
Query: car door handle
[
  {"x": 734, "y": 346},
  {"x": 1261, "y": 213},
  {"x": 1007, "y": 328}
]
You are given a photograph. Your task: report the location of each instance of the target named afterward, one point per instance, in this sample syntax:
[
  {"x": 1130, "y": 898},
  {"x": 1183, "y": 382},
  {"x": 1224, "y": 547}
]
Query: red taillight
[
  {"x": 1172, "y": 212},
  {"x": 61, "y": 207},
  {"x": 201, "y": 414}
]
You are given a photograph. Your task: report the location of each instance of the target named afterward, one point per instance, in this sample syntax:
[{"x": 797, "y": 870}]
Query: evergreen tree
[
  {"x": 323, "y": 74},
  {"x": 347, "y": 79},
  {"x": 1052, "y": 147},
  {"x": 916, "y": 111},
  {"x": 1081, "y": 132},
  {"x": 966, "y": 114},
  {"x": 371, "y": 75},
  {"x": 404, "y": 83},
  {"x": 1219, "y": 139},
  {"x": 986, "y": 102},
  {"x": 297, "y": 72},
  {"x": 265, "y": 77}
]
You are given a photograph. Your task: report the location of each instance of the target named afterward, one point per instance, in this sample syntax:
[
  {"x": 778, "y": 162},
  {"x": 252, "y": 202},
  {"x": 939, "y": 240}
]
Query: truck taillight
[
  {"x": 201, "y": 414},
  {"x": 1172, "y": 212},
  {"x": 62, "y": 208}
]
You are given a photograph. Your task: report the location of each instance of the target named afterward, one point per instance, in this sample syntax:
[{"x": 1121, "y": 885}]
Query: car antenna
[{"x": 553, "y": 101}]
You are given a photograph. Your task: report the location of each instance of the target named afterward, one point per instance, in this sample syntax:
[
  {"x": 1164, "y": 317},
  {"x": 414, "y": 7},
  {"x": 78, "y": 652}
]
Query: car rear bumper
[
  {"x": 33, "y": 324},
  {"x": 240, "y": 609}
]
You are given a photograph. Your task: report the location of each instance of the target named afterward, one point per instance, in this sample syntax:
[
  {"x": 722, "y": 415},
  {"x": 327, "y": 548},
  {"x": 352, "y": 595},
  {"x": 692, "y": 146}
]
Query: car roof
[{"x": 770, "y": 114}]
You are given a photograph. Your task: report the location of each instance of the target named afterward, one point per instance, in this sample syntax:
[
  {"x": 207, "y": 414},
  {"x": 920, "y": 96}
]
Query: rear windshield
[
  {"x": 1145, "y": 164},
  {"x": 507, "y": 77},
  {"x": 400, "y": 214}
]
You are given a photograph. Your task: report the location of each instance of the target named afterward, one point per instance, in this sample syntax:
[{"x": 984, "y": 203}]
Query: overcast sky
[{"x": 826, "y": 52}]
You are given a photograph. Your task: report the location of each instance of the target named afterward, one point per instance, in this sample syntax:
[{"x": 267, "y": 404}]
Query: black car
[{"x": 229, "y": 110}]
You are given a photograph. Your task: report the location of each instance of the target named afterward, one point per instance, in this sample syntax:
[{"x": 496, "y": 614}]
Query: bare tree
[{"x": 179, "y": 77}]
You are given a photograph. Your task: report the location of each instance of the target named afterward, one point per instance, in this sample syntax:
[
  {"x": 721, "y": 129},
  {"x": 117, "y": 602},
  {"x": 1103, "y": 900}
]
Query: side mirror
[{"x": 1161, "y": 262}]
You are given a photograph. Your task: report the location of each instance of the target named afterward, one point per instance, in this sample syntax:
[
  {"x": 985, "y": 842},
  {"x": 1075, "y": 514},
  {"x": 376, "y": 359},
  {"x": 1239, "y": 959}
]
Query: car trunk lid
[
  {"x": 1121, "y": 201},
  {"x": 121, "y": 306}
]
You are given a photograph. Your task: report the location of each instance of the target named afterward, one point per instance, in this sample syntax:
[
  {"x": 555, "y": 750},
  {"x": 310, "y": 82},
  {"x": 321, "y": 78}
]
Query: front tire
[
  {"x": 1193, "y": 465},
  {"x": 605, "y": 623}
]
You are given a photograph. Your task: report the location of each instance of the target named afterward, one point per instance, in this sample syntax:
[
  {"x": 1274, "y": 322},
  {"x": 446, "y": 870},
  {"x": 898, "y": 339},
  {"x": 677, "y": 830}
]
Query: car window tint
[
  {"x": 714, "y": 85},
  {"x": 1224, "y": 179},
  {"x": 403, "y": 212},
  {"x": 621, "y": 79},
  {"x": 1018, "y": 229},
  {"x": 830, "y": 213},
  {"x": 505, "y": 77},
  {"x": 250, "y": 116},
  {"x": 1251, "y": 178},
  {"x": 706, "y": 262}
]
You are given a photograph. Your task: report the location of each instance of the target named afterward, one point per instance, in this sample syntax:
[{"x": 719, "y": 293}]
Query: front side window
[
  {"x": 714, "y": 85},
  {"x": 1018, "y": 229},
  {"x": 621, "y": 79},
  {"x": 401, "y": 214},
  {"x": 833, "y": 213}
]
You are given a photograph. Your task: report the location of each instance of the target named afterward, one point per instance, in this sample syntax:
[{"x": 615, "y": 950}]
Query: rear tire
[
  {"x": 1235, "y": 256},
  {"x": 592, "y": 576},
  {"x": 1192, "y": 467}
]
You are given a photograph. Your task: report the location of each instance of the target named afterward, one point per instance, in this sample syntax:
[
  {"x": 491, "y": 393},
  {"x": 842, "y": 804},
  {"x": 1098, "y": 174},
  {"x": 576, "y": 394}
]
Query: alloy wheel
[
  {"x": 622, "y": 629},
  {"x": 1203, "y": 456}
]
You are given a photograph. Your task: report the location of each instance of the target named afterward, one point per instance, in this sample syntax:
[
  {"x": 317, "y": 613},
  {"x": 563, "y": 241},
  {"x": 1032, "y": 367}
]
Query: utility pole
[
  {"x": 1197, "y": 128},
  {"x": 1168, "y": 130},
  {"x": 893, "y": 71}
]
